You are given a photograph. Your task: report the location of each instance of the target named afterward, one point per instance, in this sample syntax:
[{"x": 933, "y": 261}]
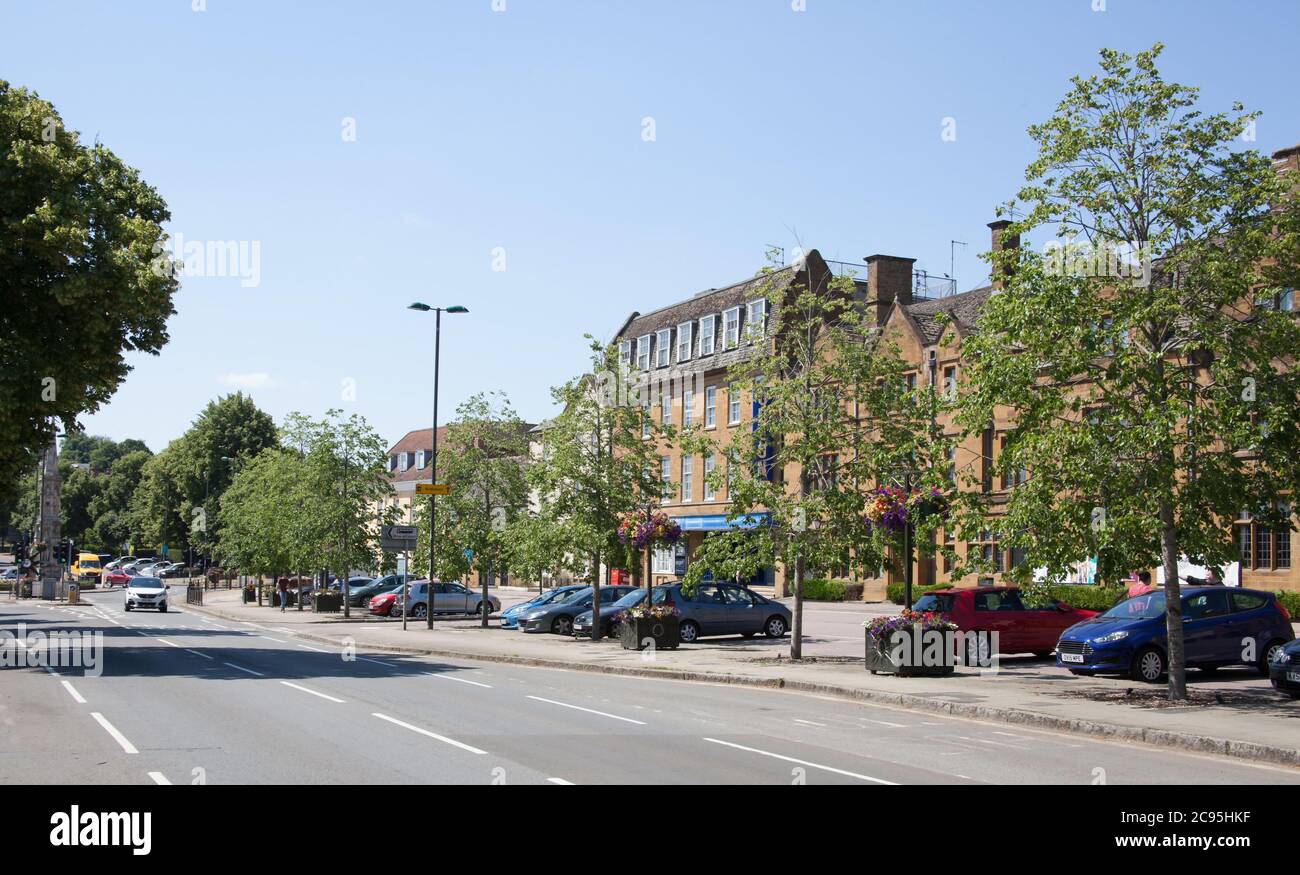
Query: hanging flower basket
[
  {"x": 890, "y": 508},
  {"x": 642, "y": 532}
]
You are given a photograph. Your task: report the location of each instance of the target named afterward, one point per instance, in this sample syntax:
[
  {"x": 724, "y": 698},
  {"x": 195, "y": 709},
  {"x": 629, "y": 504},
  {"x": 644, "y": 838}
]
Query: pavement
[
  {"x": 192, "y": 696},
  {"x": 1234, "y": 713}
]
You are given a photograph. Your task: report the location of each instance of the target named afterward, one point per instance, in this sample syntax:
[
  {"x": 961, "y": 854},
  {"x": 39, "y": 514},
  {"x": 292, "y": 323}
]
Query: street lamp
[{"x": 433, "y": 463}]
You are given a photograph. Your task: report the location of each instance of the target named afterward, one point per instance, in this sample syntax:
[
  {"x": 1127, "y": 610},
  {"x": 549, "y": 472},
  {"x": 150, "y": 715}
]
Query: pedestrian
[
  {"x": 284, "y": 592},
  {"x": 1142, "y": 586}
]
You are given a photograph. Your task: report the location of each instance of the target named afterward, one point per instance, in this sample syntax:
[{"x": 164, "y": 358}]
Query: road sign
[
  {"x": 432, "y": 489},
  {"x": 398, "y": 537},
  {"x": 469, "y": 554}
]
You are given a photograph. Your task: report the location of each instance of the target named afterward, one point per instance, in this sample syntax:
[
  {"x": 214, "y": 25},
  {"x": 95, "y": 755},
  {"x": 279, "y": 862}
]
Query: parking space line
[
  {"x": 316, "y": 649},
  {"x": 444, "y": 739},
  {"x": 165, "y": 641},
  {"x": 313, "y": 692},
  {"x": 885, "y": 723},
  {"x": 160, "y": 778},
  {"x": 809, "y": 723},
  {"x": 249, "y": 670},
  {"x": 588, "y": 710},
  {"x": 112, "y": 730},
  {"x": 768, "y": 753},
  {"x": 77, "y": 697}
]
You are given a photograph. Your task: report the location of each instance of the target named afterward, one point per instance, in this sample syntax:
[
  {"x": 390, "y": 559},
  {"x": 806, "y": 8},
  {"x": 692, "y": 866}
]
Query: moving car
[
  {"x": 146, "y": 592},
  {"x": 510, "y": 617},
  {"x": 558, "y": 616},
  {"x": 1284, "y": 669},
  {"x": 1221, "y": 626},
  {"x": 86, "y": 567},
  {"x": 1022, "y": 625},
  {"x": 116, "y": 578}
]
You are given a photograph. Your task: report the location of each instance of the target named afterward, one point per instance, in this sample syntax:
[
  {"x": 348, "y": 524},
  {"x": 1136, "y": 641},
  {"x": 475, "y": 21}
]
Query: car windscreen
[
  {"x": 932, "y": 603},
  {"x": 146, "y": 583},
  {"x": 1143, "y": 607},
  {"x": 573, "y": 596},
  {"x": 635, "y": 597},
  {"x": 553, "y": 596}
]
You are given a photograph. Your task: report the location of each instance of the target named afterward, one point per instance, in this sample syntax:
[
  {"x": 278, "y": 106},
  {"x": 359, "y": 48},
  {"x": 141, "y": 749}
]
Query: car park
[
  {"x": 1022, "y": 624},
  {"x": 1221, "y": 626},
  {"x": 146, "y": 592},
  {"x": 1284, "y": 669},
  {"x": 510, "y": 616},
  {"x": 558, "y": 616}
]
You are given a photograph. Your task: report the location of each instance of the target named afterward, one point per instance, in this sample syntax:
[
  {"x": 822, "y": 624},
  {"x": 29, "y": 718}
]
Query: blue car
[
  {"x": 1221, "y": 626},
  {"x": 510, "y": 617}
]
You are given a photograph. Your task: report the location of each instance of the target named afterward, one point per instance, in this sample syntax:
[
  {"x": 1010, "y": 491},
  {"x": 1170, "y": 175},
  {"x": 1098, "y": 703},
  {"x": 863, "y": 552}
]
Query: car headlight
[
  {"x": 1281, "y": 657},
  {"x": 1113, "y": 636}
]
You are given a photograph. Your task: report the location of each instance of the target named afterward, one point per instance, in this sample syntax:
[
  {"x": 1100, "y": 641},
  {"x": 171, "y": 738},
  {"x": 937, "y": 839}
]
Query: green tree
[
  {"x": 80, "y": 237},
  {"x": 538, "y": 545},
  {"x": 266, "y": 510},
  {"x": 1150, "y": 410}
]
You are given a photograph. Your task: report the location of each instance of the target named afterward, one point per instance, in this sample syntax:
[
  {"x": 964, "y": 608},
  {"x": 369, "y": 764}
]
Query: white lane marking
[
  {"x": 376, "y": 662},
  {"x": 285, "y": 631},
  {"x": 588, "y": 710},
  {"x": 809, "y": 723},
  {"x": 426, "y": 732},
  {"x": 269, "y": 638},
  {"x": 560, "y": 781},
  {"x": 249, "y": 670},
  {"x": 885, "y": 723},
  {"x": 451, "y": 677},
  {"x": 768, "y": 753},
  {"x": 313, "y": 692},
  {"x": 198, "y": 653},
  {"x": 165, "y": 641},
  {"x": 994, "y": 743},
  {"x": 160, "y": 778},
  {"x": 77, "y": 697},
  {"x": 112, "y": 730},
  {"x": 317, "y": 649}
]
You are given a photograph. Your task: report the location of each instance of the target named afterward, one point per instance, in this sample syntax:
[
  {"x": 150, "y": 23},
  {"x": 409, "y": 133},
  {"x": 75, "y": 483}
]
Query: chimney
[
  {"x": 1288, "y": 161},
  {"x": 1001, "y": 242},
  {"x": 889, "y": 279}
]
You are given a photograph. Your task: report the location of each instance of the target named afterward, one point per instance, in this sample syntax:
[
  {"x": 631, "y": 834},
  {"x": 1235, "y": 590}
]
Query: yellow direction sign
[{"x": 432, "y": 489}]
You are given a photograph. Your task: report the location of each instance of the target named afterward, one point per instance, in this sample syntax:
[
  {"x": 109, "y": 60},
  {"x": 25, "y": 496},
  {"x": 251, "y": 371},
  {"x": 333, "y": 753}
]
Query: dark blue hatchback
[{"x": 1221, "y": 626}]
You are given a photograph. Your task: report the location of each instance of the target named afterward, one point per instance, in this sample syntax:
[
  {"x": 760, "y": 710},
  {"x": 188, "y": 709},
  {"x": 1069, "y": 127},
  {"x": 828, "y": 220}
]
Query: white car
[{"x": 146, "y": 592}]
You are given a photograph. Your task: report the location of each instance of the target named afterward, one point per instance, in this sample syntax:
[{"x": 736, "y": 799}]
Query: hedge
[
  {"x": 832, "y": 591},
  {"x": 894, "y": 591},
  {"x": 1090, "y": 598}
]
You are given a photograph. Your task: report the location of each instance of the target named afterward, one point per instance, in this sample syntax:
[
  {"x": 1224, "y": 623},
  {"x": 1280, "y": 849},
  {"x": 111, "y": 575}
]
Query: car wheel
[
  {"x": 162, "y": 609},
  {"x": 977, "y": 650},
  {"x": 688, "y": 631},
  {"x": 419, "y": 612},
  {"x": 562, "y": 625},
  {"x": 1273, "y": 649},
  {"x": 483, "y": 608},
  {"x": 1148, "y": 665},
  {"x": 128, "y": 609},
  {"x": 774, "y": 627}
]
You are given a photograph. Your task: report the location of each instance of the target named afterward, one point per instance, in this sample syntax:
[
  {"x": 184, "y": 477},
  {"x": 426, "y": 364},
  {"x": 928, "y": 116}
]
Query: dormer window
[
  {"x": 403, "y": 461},
  {"x": 756, "y": 319},
  {"x": 392, "y": 463},
  {"x": 731, "y": 328},
  {"x": 707, "y": 327},
  {"x": 419, "y": 459},
  {"x": 625, "y": 354},
  {"x": 684, "y": 341},
  {"x": 663, "y": 348},
  {"x": 643, "y": 353}
]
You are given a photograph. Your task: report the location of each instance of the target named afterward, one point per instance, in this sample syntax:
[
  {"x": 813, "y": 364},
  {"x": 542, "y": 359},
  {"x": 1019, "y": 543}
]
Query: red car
[
  {"x": 1021, "y": 627},
  {"x": 116, "y": 578},
  {"x": 382, "y": 605}
]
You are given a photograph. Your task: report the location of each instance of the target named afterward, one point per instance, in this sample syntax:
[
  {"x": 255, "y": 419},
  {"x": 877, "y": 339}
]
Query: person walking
[{"x": 284, "y": 592}]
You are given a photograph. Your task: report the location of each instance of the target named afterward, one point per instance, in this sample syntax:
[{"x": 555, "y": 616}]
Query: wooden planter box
[
  {"x": 880, "y": 661},
  {"x": 327, "y": 603},
  {"x": 633, "y": 632}
]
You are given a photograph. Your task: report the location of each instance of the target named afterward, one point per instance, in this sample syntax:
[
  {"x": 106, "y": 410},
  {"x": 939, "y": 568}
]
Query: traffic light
[
  {"x": 20, "y": 552},
  {"x": 61, "y": 552}
]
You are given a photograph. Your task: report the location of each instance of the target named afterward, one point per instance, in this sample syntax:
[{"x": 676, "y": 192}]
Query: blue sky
[{"x": 522, "y": 130}]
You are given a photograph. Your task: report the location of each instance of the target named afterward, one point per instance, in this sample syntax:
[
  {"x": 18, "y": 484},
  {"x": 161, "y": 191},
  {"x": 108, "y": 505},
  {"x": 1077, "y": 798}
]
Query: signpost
[
  {"x": 433, "y": 489},
  {"x": 401, "y": 539}
]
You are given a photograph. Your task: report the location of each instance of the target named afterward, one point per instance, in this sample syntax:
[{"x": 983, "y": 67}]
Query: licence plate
[
  {"x": 1293, "y": 677},
  {"x": 1072, "y": 657}
]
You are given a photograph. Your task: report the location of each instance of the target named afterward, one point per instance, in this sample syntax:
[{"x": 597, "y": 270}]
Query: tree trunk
[
  {"x": 796, "y": 633},
  {"x": 595, "y": 602},
  {"x": 483, "y": 582},
  {"x": 1177, "y": 668}
]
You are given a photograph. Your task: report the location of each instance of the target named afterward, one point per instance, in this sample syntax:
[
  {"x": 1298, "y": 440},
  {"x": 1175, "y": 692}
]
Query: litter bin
[{"x": 72, "y": 593}]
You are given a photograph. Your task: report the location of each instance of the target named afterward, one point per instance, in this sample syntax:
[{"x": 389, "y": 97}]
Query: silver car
[
  {"x": 146, "y": 592},
  {"x": 448, "y": 598}
]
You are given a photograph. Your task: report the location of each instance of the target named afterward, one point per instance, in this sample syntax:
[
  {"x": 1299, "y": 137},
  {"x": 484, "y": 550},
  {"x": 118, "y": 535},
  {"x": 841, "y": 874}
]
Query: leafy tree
[
  {"x": 80, "y": 245},
  {"x": 538, "y": 545},
  {"x": 265, "y": 509},
  {"x": 1148, "y": 414}
]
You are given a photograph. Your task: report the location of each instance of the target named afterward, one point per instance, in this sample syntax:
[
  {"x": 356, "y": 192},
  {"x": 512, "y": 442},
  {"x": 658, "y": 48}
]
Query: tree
[
  {"x": 594, "y": 465},
  {"x": 1151, "y": 405},
  {"x": 834, "y": 417},
  {"x": 264, "y": 510},
  {"x": 539, "y": 544},
  {"x": 81, "y": 244}
]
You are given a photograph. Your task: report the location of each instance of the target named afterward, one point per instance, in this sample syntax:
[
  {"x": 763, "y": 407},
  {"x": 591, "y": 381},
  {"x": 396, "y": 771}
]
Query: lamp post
[{"x": 433, "y": 464}]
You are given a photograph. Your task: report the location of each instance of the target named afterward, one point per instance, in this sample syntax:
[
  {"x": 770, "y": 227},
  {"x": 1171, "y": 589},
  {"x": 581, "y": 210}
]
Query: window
[
  {"x": 666, "y": 477},
  {"x": 625, "y": 353},
  {"x": 1283, "y": 301},
  {"x": 756, "y": 319},
  {"x": 645, "y": 418},
  {"x": 662, "y": 561},
  {"x": 1014, "y": 477},
  {"x": 392, "y": 463},
  {"x": 733, "y": 405},
  {"x": 683, "y": 341},
  {"x": 950, "y": 384},
  {"x": 688, "y": 408},
  {"x": 707, "y": 326},
  {"x": 710, "y": 463},
  {"x": 403, "y": 461},
  {"x": 951, "y": 453},
  {"x": 987, "y": 549},
  {"x": 825, "y": 473},
  {"x": 710, "y": 406},
  {"x": 663, "y": 347},
  {"x": 688, "y": 463},
  {"x": 1263, "y": 547},
  {"x": 731, "y": 328},
  {"x": 419, "y": 458},
  {"x": 666, "y": 407},
  {"x": 643, "y": 353}
]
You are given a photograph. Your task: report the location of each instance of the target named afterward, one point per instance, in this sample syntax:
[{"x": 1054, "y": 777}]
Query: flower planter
[
  {"x": 634, "y": 632},
  {"x": 327, "y": 603},
  {"x": 880, "y": 659},
  {"x": 250, "y": 595}
]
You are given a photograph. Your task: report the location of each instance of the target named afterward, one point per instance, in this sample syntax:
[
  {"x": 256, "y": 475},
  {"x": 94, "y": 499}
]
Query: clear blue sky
[{"x": 522, "y": 129}]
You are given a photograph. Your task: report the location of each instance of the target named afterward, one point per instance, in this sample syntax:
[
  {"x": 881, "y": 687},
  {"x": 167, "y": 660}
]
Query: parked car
[
  {"x": 1130, "y": 637},
  {"x": 609, "y": 614},
  {"x": 386, "y": 604},
  {"x": 171, "y": 570},
  {"x": 727, "y": 609},
  {"x": 146, "y": 592},
  {"x": 448, "y": 598},
  {"x": 510, "y": 616},
  {"x": 1284, "y": 669},
  {"x": 358, "y": 596},
  {"x": 558, "y": 616},
  {"x": 1022, "y": 625},
  {"x": 116, "y": 578},
  {"x": 9, "y": 574},
  {"x": 117, "y": 563}
]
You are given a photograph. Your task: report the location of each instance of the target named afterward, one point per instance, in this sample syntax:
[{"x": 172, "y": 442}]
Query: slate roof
[
  {"x": 712, "y": 302},
  {"x": 964, "y": 309}
]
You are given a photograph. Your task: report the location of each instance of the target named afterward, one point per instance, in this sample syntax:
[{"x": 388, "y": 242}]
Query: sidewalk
[{"x": 1237, "y": 714}]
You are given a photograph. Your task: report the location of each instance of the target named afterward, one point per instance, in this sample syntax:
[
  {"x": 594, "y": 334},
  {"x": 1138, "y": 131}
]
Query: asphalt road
[{"x": 184, "y": 698}]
